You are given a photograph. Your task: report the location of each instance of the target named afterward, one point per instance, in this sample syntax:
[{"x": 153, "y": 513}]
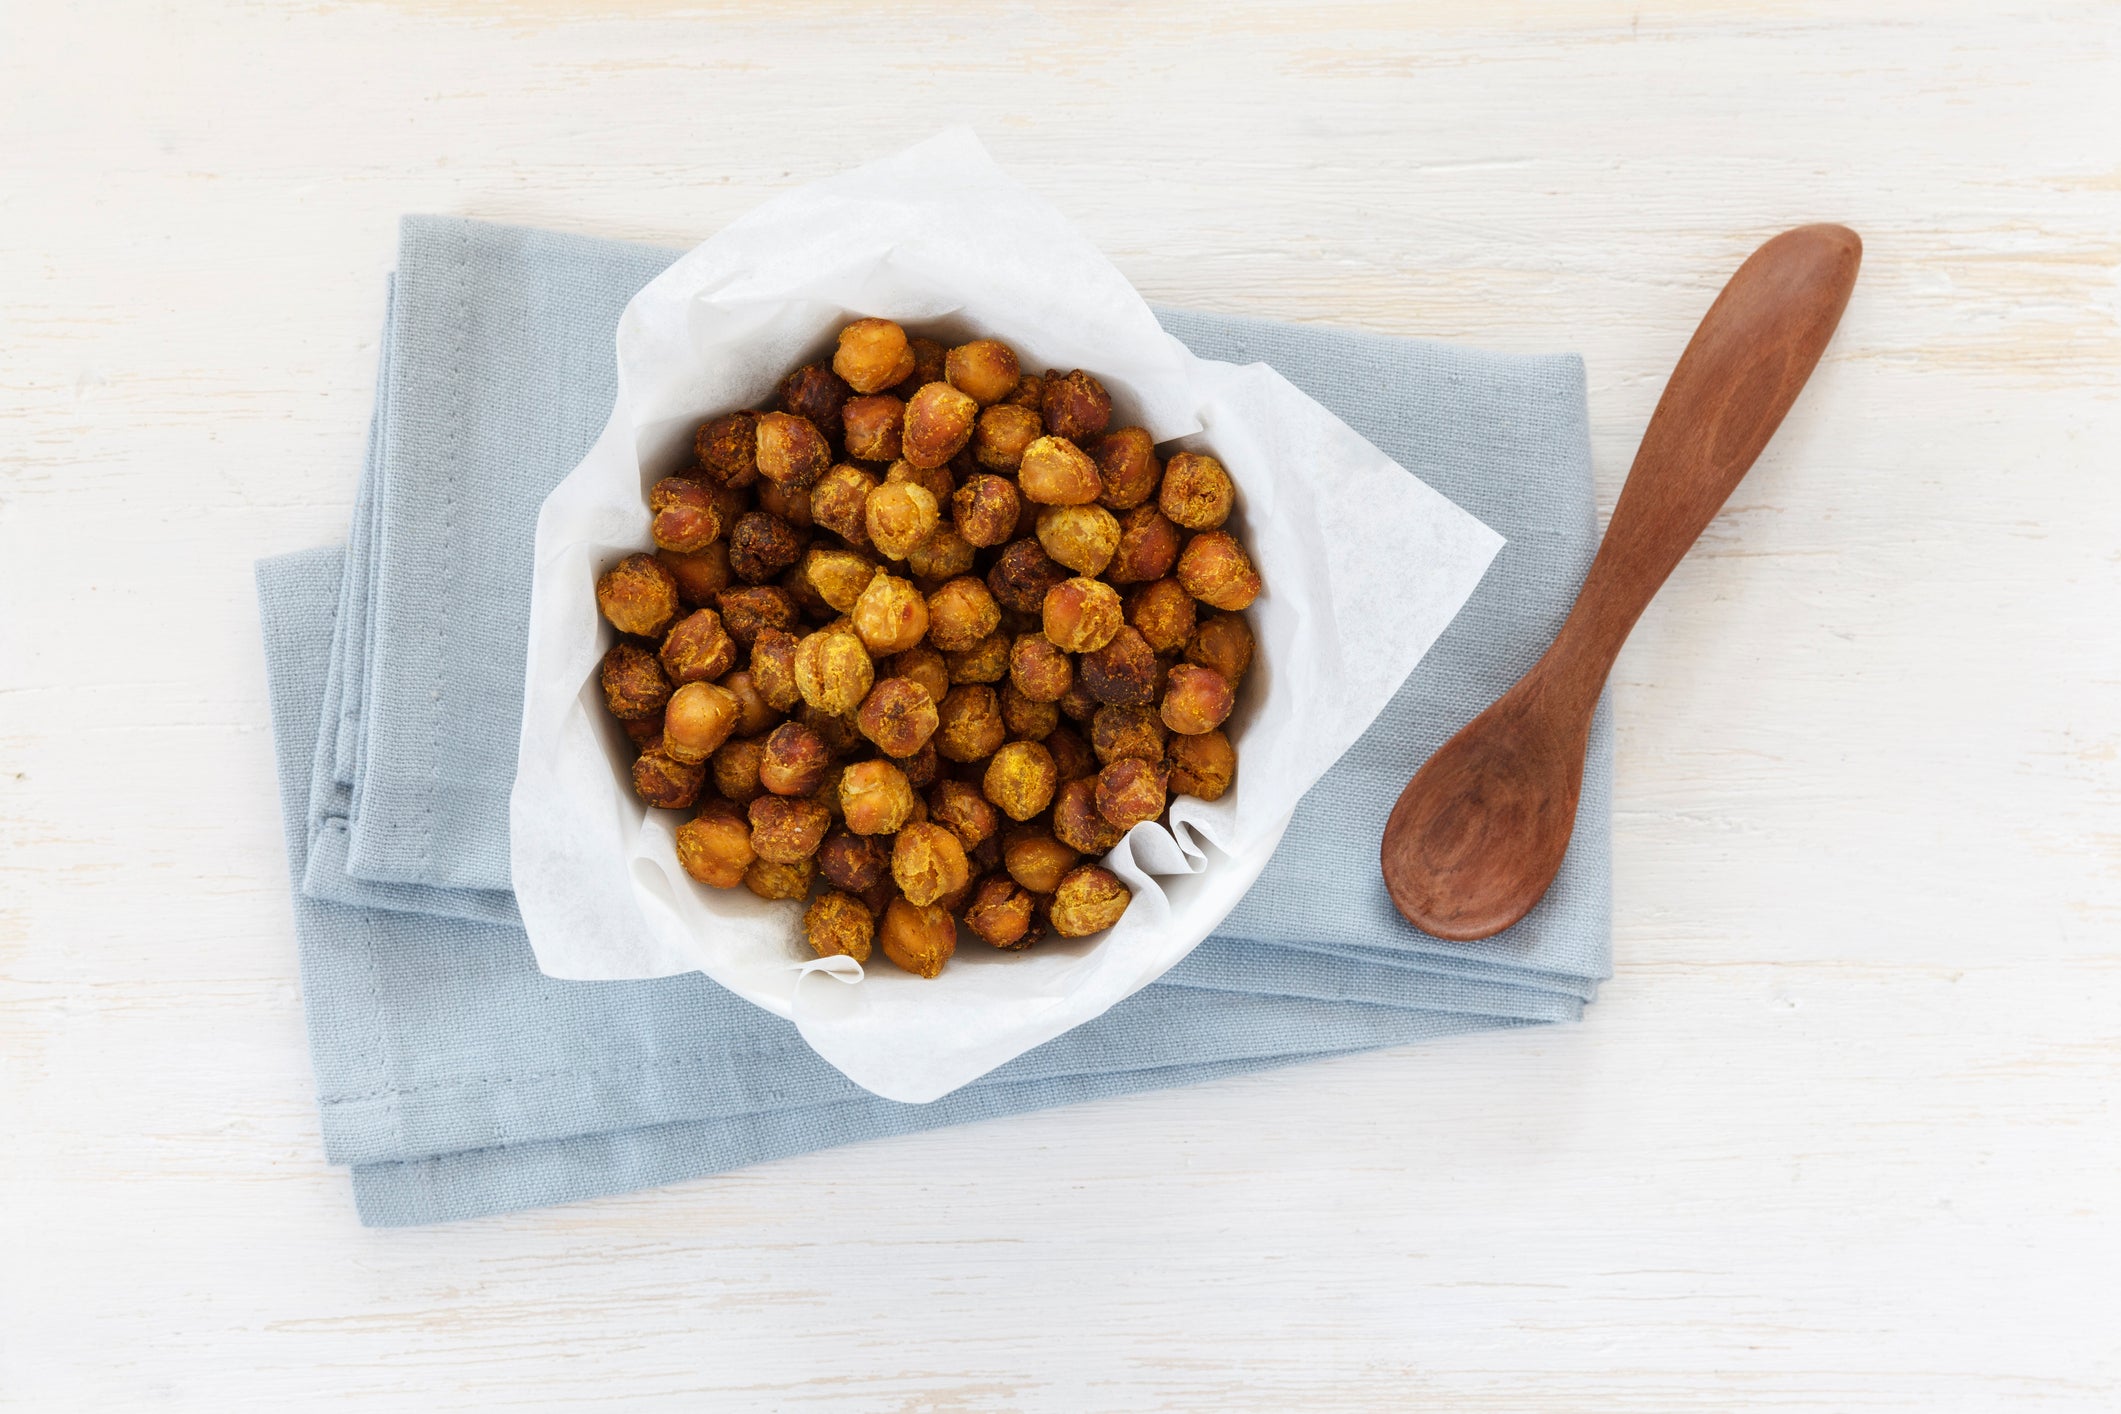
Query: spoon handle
[{"x": 1741, "y": 371}]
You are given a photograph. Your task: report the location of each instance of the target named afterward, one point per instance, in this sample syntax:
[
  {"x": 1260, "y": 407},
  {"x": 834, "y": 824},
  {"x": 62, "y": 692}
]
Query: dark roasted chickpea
[
  {"x": 1076, "y": 822},
  {"x": 793, "y": 760},
  {"x": 941, "y": 554},
  {"x": 683, "y": 514},
  {"x": 959, "y": 807},
  {"x": 1020, "y": 779},
  {"x": 1197, "y": 492},
  {"x": 762, "y": 546},
  {"x": 778, "y": 881},
  {"x": 924, "y": 667},
  {"x": 697, "y": 649},
  {"x": 837, "y": 576},
  {"x": 1001, "y": 435},
  {"x": 638, "y": 596},
  {"x": 1026, "y": 718},
  {"x": 970, "y": 725},
  {"x": 793, "y": 453},
  {"x": 1028, "y": 393},
  {"x": 816, "y": 394},
  {"x": 922, "y": 767},
  {"x": 735, "y": 765},
  {"x": 1216, "y": 570},
  {"x": 785, "y": 829},
  {"x": 1196, "y": 700},
  {"x": 838, "y": 925},
  {"x": 1089, "y": 900},
  {"x": 699, "y": 576},
  {"x": 755, "y": 715},
  {"x": 871, "y": 426},
  {"x": 667, "y": 783},
  {"x": 1080, "y": 537},
  {"x": 1072, "y": 756},
  {"x": 840, "y": 503},
  {"x": 927, "y": 862},
  {"x": 840, "y": 733},
  {"x": 875, "y": 798},
  {"x": 984, "y": 370},
  {"x": 1222, "y": 642},
  {"x": 1123, "y": 673},
  {"x": 1120, "y": 732},
  {"x": 1081, "y": 615},
  {"x": 985, "y": 661},
  {"x": 700, "y": 717},
  {"x": 898, "y": 516},
  {"x": 1131, "y": 790},
  {"x": 714, "y": 846},
  {"x": 1039, "y": 670},
  {"x": 1000, "y": 912},
  {"x": 1163, "y": 613},
  {"x": 856, "y": 863},
  {"x": 791, "y": 504},
  {"x": 1148, "y": 547},
  {"x": 961, "y": 613},
  {"x": 985, "y": 509},
  {"x": 773, "y": 668},
  {"x": 833, "y": 671},
  {"x": 1023, "y": 576},
  {"x": 938, "y": 423},
  {"x": 1076, "y": 704},
  {"x": 1202, "y": 765},
  {"x": 1056, "y": 472},
  {"x": 1126, "y": 466},
  {"x": 890, "y": 615},
  {"x": 1074, "y": 406},
  {"x": 1035, "y": 859},
  {"x": 728, "y": 448},
  {"x": 749, "y": 611},
  {"x": 917, "y": 939},
  {"x": 634, "y": 684},
  {"x": 872, "y": 355},
  {"x": 643, "y": 731},
  {"x": 899, "y": 716}
]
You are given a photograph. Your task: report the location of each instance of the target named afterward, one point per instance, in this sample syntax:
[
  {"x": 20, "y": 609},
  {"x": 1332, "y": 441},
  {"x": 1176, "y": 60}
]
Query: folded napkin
[{"x": 457, "y": 1080}]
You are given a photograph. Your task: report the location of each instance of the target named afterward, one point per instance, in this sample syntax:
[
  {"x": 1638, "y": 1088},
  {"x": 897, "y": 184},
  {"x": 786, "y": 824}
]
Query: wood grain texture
[{"x": 1840, "y": 1134}]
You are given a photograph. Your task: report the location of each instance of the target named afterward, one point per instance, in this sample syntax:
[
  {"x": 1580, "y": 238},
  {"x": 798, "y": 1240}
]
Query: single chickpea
[
  {"x": 898, "y": 715},
  {"x": 890, "y": 615},
  {"x": 1028, "y": 393},
  {"x": 762, "y": 545},
  {"x": 1076, "y": 821},
  {"x": 683, "y": 514},
  {"x": 961, "y": 613},
  {"x": 700, "y": 717},
  {"x": 938, "y": 424},
  {"x": 667, "y": 783},
  {"x": 1216, "y": 570},
  {"x": 1027, "y": 718},
  {"x": 1076, "y": 704},
  {"x": 755, "y": 715},
  {"x": 838, "y": 925},
  {"x": 960, "y": 808},
  {"x": 898, "y": 516},
  {"x": 856, "y": 863},
  {"x": 700, "y": 575},
  {"x": 1123, "y": 673},
  {"x": 1035, "y": 859},
  {"x": 1081, "y": 537},
  {"x": 793, "y": 760},
  {"x": 748, "y": 611},
  {"x": 870, "y": 427},
  {"x": 1037, "y": 669},
  {"x": 922, "y": 767},
  {"x": 1120, "y": 732},
  {"x": 833, "y": 671},
  {"x": 793, "y": 454},
  {"x": 735, "y": 765},
  {"x": 840, "y": 503},
  {"x": 1148, "y": 547},
  {"x": 728, "y": 448},
  {"x": 1127, "y": 467},
  {"x": 985, "y": 661},
  {"x": 1196, "y": 700},
  {"x": 790, "y": 504},
  {"x": 1197, "y": 492},
  {"x": 984, "y": 370},
  {"x": 714, "y": 846},
  {"x": 1000, "y": 913},
  {"x": 917, "y": 939},
  {"x": 927, "y": 862},
  {"x": 1081, "y": 615},
  {"x": 924, "y": 667},
  {"x": 770, "y": 880},
  {"x": 1202, "y": 765},
  {"x": 1131, "y": 790},
  {"x": 1222, "y": 642},
  {"x": 1163, "y": 613},
  {"x": 970, "y": 726},
  {"x": 1089, "y": 900},
  {"x": 816, "y": 394},
  {"x": 642, "y": 731},
  {"x": 773, "y": 668},
  {"x": 941, "y": 554},
  {"x": 638, "y": 596},
  {"x": 875, "y": 798},
  {"x": 634, "y": 685},
  {"x": 697, "y": 650},
  {"x": 1023, "y": 575},
  {"x": 838, "y": 576},
  {"x": 785, "y": 829},
  {"x": 1056, "y": 472},
  {"x": 873, "y": 354},
  {"x": 985, "y": 509},
  {"x": 1001, "y": 435},
  {"x": 1020, "y": 779},
  {"x": 1074, "y": 405},
  {"x": 1072, "y": 756}
]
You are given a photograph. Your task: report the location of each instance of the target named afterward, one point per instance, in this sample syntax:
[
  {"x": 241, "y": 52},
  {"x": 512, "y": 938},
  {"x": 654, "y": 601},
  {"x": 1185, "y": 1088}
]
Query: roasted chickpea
[
  {"x": 938, "y": 423},
  {"x": 1000, "y": 913},
  {"x": 1038, "y": 670},
  {"x": 762, "y": 546},
  {"x": 1076, "y": 821},
  {"x": 1072, "y": 756},
  {"x": 755, "y": 715},
  {"x": 961, "y": 613},
  {"x": 1120, "y": 732},
  {"x": 785, "y": 829},
  {"x": 984, "y": 370},
  {"x": 959, "y": 807},
  {"x": 793, "y": 453},
  {"x": 927, "y": 862},
  {"x": 1027, "y": 718},
  {"x": 770, "y": 880},
  {"x": 1148, "y": 547},
  {"x": 664, "y": 781},
  {"x": 699, "y": 576},
  {"x": 735, "y": 765},
  {"x": 840, "y": 732},
  {"x": 683, "y": 514},
  {"x": 790, "y": 504},
  {"x": 1163, "y": 613},
  {"x": 1023, "y": 576},
  {"x": 890, "y": 615},
  {"x": 1074, "y": 405},
  {"x": 1197, "y": 493},
  {"x": 970, "y": 725},
  {"x": 898, "y": 516},
  {"x": 816, "y": 394},
  {"x": 1001, "y": 435},
  {"x": 856, "y": 863},
  {"x": 875, "y": 798},
  {"x": 1028, "y": 393},
  {"x": 941, "y": 554},
  {"x": 1131, "y": 790},
  {"x": 873, "y": 354},
  {"x": 924, "y": 667},
  {"x": 985, "y": 661},
  {"x": 634, "y": 685},
  {"x": 985, "y": 509},
  {"x": 837, "y": 576},
  {"x": 728, "y": 448},
  {"x": 838, "y": 924},
  {"x": 1089, "y": 900},
  {"x": 1056, "y": 472},
  {"x": 917, "y": 939},
  {"x": 1126, "y": 466},
  {"x": 1222, "y": 642},
  {"x": 642, "y": 731},
  {"x": 1076, "y": 704},
  {"x": 696, "y": 649},
  {"x": 749, "y": 611},
  {"x": 921, "y": 767},
  {"x": 1202, "y": 765},
  {"x": 638, "y": 596},
  {"x": 827, "y": 793},
  {"x": 1081, "y": 537},
  {"x": 929, "y": 358},
  {"x": 898, "y": 715},
  {"x": 700, "y": 717},
  {"x": 714, "y": 846},
  {"x": 840, "y": 502},
  {"x": 1123, "y": 673},
  {"x": 1035, "y": 859},
  {"x": 870, "y": 427},
  {"x": 1216, "y": 570},
  {"x": 1081, "y": 615},
  {"x": 773, "y": 668},
  {"x": 793, "y": 760},
  {"x": 1196, "y": 700},
  {"x": 1020, "y": 779},
  {"x": 833, "y": 671}
]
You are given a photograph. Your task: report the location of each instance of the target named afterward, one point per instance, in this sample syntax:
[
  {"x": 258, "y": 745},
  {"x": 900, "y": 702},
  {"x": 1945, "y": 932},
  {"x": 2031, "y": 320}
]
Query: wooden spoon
[{"x": 1478, "y": 834}]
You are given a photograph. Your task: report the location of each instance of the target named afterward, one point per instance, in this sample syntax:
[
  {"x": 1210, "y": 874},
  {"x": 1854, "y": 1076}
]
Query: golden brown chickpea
[
  {"x": 918, "y": 940},
  {"x": 1088, "y": 901},
  {"x": 840, "y": 733},
  {"x": 1202, "y": 765},
  {"x": 871, "y": 425},
  {"x": 921, "y": 767},
  {"x": 898, "y": 516},
  {"x": 1123, "y": 673},
  {"x": 793, "y": 453},
  {"x": 714, "y": 846},
  {"x": 728, "y": 448},
  {"x": 664, "y": 781},
  {"x": 1131, "y": 790},
  {"x": 1222, "y": 642},
  {"x": 1076, "y": 822},
  {"x": 770, "y": 880},
  {"x": 929, "y": 357},
  {"x": 700, "y": 717},
  {"x": 924, "y": 667},
  {"x": 833, "y": 671},
  {"x": 971, "y": 725},
  {"x": 762, "y": 546},
  {"x": 634, "y": 685},
  {"x": 1072, "y": 756},
  {"x": 684, "y": 515},
  {"x": 838, "y": 576},
  {"x": 1197, "y": 492},
  {"x": 928, "y": 862},
  {"x": 961, "y": 613},
  {"x": 1028, "y": 393},
  {"x": 959, "y": 808},
  {"x": 1000, "y": 913},
  {"x": 643, "y": 731},
  {"x": 1127, "y": 468},
  {"x": 1035, "y": 859},
  {"x": 755, "y": 715},
  {"x": 1148, "y": 547},
  {"x": 1023, "y": 576},
  {"x": 1081, "y": 615},
  {"x": 1216, "y": 570},
  {"x": 873, "y": 354},
  {"x": 793, "y": 760},
  {"x": 838, "y": 924},
  {"x": 785, "y": 829},
  {"x": 898, "y": 715},
  {"x": 696, "y": 649},
  {"x": 1163, "y": 613},
  {"x": 1120, "y": 732},
  {"x": 1074, "y": 406},
  {"x": 875, "y": 798},
  {"x": 735, "y": 765},
  {"x": 984, "y": 370},
  {"x": 751, "y": 610},
  {"x": 840, "y": 503},
  {"x": 773, "y": 668},
  {"x": 792, "y": 506},
  {"x": 699, "y": 576},
  {"x": 1001, "y": 435},
  {"x": 941, "y": 554},
  {"x": 985, "y": 509},
  {"x": 1080, "y": 537},
  {"x": 985, "y": 661},
  {"x": 816, "y": 394},
  {"x": 890, "y": 616},
  {"x": 1076, "y": 703},
  {"x": 1039, "y": 670},
  {"x": 1026, "y": 718},
  {"x": 1056, "y": 472},
  {"x": 856, "y": 863},
  {"x": 638, "y": 596},
  {"x": 938, "y": 424},
  {"x": 1196, "y": 700},
  {"x": 1020, "y": 779}
]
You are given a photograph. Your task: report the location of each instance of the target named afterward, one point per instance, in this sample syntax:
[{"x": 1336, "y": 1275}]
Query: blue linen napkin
[{"x": 457, "y": 1080}]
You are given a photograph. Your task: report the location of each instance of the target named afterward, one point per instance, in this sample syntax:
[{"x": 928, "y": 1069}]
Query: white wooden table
[{"x": 1841, "y": 1133}]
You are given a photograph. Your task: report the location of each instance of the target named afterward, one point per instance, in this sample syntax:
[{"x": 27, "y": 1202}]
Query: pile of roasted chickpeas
[{"x": 881, "y": 621}]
